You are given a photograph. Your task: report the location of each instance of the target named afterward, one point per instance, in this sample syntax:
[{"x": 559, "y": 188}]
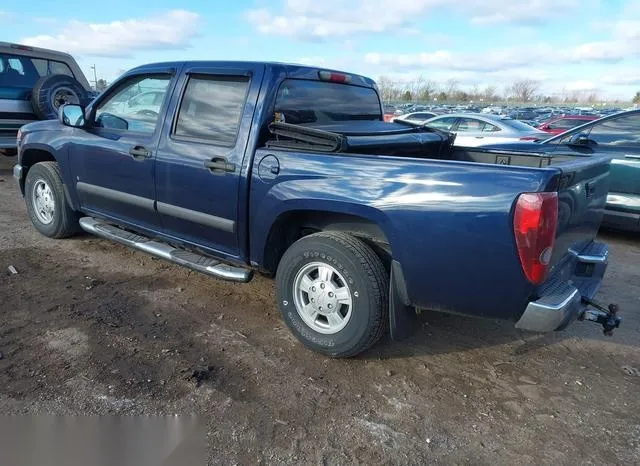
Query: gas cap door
[{"x": 268, "y": 168}]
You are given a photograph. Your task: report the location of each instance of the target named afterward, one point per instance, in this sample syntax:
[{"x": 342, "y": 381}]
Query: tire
[
  {"x": 354, "y": 269},
  {"x": 45, "y": 178},
  {"x": 50, "y": 92}
]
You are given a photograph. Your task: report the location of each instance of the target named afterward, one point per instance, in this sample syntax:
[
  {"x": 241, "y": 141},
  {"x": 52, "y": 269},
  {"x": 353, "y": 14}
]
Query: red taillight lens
[
  {"x": 534, "y": 222},
  {"x": 334, "y": 77}
]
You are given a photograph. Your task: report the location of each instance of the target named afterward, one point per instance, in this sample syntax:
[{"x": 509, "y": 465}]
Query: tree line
[{"x": 519, "y": 91}]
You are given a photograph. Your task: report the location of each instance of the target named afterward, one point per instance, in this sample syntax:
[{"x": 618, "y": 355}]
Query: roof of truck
[
  {"x": 291, "y": 69},
  {"x": 29, "y": 50}
]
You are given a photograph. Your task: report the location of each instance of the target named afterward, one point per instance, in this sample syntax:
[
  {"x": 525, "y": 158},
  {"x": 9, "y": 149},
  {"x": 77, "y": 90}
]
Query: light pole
[{"x": 95, "y": 76}]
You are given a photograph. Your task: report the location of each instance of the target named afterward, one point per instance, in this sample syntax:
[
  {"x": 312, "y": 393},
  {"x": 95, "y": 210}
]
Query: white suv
[{"x": 34, "y": 83}]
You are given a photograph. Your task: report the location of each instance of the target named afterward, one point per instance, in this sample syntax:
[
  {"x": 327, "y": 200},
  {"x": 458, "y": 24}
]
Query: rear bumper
[{"x": 560, "y": 298}]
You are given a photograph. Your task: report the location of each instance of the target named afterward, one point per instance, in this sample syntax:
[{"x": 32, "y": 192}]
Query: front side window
[
  {"x": 211, "y": 108},
  {"x": 128, "y": 107}
]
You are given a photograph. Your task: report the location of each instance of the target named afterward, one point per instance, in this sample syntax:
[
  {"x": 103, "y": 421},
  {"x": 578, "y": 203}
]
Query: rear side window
[
  {"x": 566, "y": 123},
  {"x": 444, "y": 124},
  {"x": 211, "y": 108},
  {"x": 621, "y": 131},
  {"x": 16, "y": 70},
  {"x": 47, "y": 67}
]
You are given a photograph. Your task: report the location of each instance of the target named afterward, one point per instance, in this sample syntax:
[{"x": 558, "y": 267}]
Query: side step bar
[{"x": 192, "y": 260}]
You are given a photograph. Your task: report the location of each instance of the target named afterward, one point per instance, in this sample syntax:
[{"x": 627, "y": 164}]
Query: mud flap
[{"x": 403, "y": 319}]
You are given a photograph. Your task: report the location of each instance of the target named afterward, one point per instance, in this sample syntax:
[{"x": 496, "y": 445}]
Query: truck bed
[{"x": 448, "y": 222}]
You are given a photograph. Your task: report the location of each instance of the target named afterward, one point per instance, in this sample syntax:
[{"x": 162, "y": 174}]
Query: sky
[{"x": 566, "y": 45}]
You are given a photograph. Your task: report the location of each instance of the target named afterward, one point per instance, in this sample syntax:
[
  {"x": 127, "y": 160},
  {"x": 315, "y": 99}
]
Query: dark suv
[{"x": 34, "y": 83}]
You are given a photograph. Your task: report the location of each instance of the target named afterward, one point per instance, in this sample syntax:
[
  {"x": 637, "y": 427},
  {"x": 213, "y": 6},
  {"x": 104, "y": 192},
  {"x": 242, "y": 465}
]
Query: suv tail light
[{"x": 535, "y": 222}]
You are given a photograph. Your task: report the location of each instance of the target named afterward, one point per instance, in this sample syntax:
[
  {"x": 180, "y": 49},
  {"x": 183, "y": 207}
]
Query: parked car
[
  {"x": 479, "y": 129},
  {"x": 290, "y": 171},
  {"x": 34, "y": 83},
  {"x": 561, "y": 124},
  {"x": 618, "y": 136},
  {"x": 418, "y": 117}
]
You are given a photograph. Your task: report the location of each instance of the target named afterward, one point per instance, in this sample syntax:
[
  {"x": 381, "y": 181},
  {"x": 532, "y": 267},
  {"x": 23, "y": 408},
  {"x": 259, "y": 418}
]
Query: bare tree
[
  {"x": 490, "y": 94},
  {"x": 593, "y": 98},
  {"x": 388, "y": 89},
  {"x": 636, "y": 98},
  {"x": 451, "y": 87},
  {"x": 524, "y": 90}
]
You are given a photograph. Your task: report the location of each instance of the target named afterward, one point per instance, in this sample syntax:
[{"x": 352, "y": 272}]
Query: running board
[{"x": 192, "y": 260}]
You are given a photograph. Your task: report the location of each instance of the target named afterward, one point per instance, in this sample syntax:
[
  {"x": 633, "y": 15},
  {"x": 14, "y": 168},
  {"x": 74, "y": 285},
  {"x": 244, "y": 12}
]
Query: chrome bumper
[{"x": 560, "y": 298}]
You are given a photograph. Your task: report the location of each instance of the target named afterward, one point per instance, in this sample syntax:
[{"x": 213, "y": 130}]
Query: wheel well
[
  {"x": 291, "y": 226},
  {"x": 30, "y": 157}
]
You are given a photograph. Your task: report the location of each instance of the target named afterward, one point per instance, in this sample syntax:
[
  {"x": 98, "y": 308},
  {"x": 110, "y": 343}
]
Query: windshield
[
  {"x": 18, "y": 74},
  {"x": 301, "y": 101}
]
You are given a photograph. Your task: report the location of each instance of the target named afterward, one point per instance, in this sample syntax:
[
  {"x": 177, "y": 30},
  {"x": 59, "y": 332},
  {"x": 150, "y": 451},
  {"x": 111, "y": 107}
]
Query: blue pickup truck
[{"x": 231, "y": 167}]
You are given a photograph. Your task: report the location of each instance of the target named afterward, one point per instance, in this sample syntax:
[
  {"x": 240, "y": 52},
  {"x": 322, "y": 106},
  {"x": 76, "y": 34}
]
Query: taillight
[
  {"x": 535, "y": 222},
  {"x": 334, "y": 77}
]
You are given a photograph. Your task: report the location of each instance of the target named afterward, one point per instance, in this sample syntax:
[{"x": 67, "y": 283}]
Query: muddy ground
[{"x": 90, "y": 327}]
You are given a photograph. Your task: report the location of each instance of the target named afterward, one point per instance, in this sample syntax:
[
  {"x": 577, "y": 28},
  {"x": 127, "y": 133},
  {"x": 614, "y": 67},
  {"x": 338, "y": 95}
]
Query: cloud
[
  {"x": 170, "y": 30},
  {"x": 581, "y": 85},
  {"x": 314, "y": 20},
  {"x": 624, "y": 44},
  {"x": 623, "y": 77}
]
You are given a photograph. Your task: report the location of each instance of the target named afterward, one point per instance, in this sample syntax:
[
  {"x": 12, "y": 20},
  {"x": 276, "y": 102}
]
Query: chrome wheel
[
  {"x": 43, "y": 201},
  {"x": 322, "y": 298}
]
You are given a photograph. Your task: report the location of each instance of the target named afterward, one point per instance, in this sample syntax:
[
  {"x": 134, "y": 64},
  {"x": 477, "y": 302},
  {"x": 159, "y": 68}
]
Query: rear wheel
[
  {"x": 333, "y": 293},
  {"x": 46, "y": 202}
]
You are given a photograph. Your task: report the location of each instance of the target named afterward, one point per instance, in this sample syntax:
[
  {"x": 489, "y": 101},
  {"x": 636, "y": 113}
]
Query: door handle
[
  {"x": 632, "y": 156},
  {"x": 219, "y": 165},
  {"x": 139, "y": 152}
]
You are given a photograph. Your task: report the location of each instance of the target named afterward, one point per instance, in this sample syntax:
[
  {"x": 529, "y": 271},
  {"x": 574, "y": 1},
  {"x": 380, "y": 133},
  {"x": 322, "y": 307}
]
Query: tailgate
[{"x": 582, "y": 194}]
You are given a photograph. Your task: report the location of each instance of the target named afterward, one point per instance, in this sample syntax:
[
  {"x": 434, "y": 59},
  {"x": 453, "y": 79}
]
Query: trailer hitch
[{"x": 606, "y": 316}]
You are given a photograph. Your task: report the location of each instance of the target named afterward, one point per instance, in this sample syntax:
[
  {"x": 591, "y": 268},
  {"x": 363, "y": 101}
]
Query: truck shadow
[{"x": 440, "y": 333}]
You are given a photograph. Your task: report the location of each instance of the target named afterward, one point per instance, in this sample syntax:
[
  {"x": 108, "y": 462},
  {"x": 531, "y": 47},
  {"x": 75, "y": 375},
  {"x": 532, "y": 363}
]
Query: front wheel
[
  {"x": 46, "y": 203},
  {"x": 333, "y": 293}
]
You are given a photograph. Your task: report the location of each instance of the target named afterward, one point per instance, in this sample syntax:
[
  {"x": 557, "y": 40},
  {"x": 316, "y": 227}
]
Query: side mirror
[
  {"x": 581, "y": 139},
  {"x": 72, "y": 115}
]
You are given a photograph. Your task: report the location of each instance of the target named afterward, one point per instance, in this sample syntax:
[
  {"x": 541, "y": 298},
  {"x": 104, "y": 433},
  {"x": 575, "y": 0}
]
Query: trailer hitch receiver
[{"x": 605, "y": 316}]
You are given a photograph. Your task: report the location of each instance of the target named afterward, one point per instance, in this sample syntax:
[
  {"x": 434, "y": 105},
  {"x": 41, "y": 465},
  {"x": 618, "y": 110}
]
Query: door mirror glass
[
  {"x": 581, "y": 139},
  {"x": 111, "y": 121},
  {"x": 72, "y": 115}
]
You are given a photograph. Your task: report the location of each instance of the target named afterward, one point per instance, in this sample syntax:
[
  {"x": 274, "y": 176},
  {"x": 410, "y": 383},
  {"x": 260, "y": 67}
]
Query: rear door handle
[
  {"x": 632, "y": 156},
  {"x": 139, "y": 152},
  {"x": 219, "y": 165}
]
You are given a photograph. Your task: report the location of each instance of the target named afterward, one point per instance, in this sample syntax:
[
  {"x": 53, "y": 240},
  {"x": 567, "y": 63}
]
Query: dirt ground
[{"x": 90, "y": 327}]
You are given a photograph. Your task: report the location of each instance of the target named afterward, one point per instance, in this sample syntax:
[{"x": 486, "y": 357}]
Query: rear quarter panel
[{"x": 449, "y": 224}]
